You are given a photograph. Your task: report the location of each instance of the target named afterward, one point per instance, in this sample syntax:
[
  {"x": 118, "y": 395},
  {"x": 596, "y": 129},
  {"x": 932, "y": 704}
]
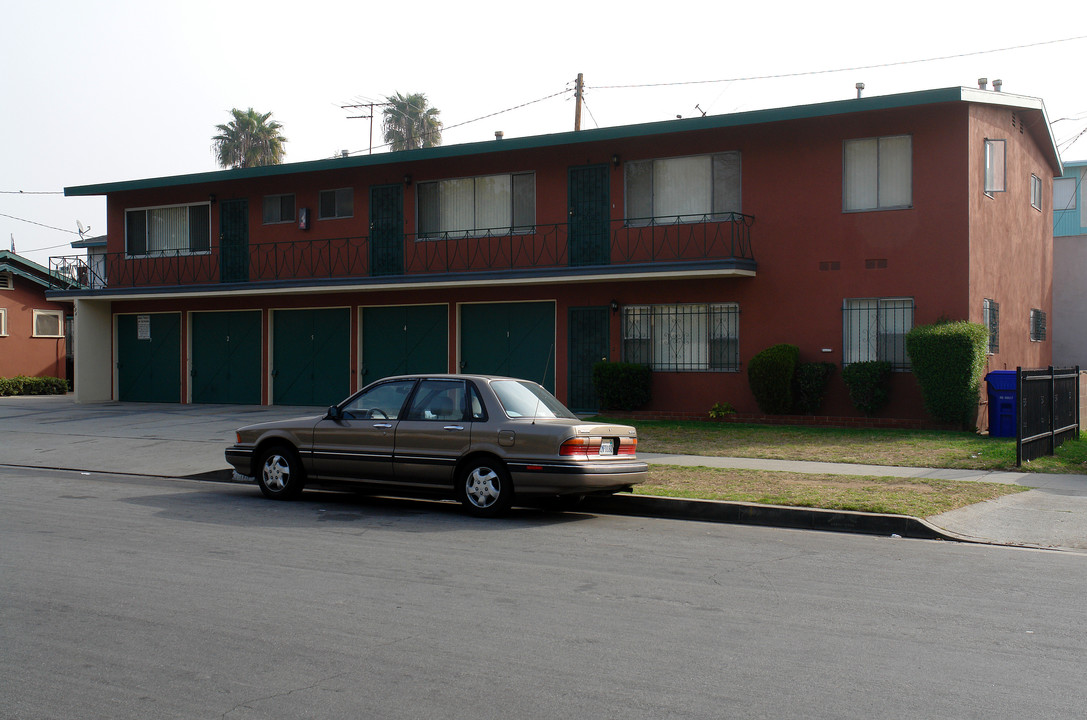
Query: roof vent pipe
[
  {"x": 983, "y": 83},
  {"x": 498, "y": 134},
  {"x": 997, "y": 84},
  {"x": 860, "y": 90}
]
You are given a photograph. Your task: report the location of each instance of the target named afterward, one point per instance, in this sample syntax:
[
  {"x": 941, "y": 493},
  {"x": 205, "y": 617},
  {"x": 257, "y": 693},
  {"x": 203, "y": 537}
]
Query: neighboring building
[
  {"x": 89, "y": 271},
  {"x": 690, "y": 245},
  {"x": 1070, "y": 267},
  {"x": 32, "y": 327}
]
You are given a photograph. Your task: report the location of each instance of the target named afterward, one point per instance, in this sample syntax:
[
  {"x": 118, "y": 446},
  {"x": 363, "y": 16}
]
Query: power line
[
  {"x": 39, "y": 224},
  {"x": 846, "y": 69},
  {"x": 31, "y": 192}
]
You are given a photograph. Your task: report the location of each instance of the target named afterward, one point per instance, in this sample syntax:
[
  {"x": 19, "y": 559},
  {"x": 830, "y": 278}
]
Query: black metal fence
[{"x": 1048, "y": 411}]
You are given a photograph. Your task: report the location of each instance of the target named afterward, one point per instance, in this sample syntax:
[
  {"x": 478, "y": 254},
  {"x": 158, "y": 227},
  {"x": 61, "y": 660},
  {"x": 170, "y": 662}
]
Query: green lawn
[{"x": 909, "y": 448}]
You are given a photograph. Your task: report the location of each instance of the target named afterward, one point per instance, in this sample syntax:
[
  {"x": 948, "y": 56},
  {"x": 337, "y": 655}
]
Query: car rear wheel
[
  {"x": 280, "y": 473},
  {"x": 484, "y": 488}
]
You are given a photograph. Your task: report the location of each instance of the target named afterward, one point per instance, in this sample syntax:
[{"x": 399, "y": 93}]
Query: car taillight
[
  {"x": 627, "y": 447},
  {"x": 575, "y": 446}
]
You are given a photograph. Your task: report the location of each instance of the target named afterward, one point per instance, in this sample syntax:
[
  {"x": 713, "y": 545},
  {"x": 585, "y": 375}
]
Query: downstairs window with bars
[
  {"x": 687, "y": 337},
  {"x": 875, "y": 329}
]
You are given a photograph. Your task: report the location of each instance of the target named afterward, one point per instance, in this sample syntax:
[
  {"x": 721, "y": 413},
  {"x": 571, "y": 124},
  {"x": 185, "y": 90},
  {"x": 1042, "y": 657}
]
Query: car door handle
[
  {"x": 453, "y": 427},
  {"x": 383, "y": 425}
]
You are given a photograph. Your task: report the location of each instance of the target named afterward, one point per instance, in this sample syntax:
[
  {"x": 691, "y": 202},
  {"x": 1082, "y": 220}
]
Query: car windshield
[{"x": 527, "y": 399}]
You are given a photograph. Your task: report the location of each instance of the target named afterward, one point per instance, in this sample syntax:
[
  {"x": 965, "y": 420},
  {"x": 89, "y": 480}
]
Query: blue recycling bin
[{"x": 1003, "y": 397}]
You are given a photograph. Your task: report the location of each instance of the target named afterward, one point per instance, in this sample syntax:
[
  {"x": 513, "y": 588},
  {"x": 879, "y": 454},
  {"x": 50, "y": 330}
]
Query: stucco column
[{"x": 93, "y": 351}]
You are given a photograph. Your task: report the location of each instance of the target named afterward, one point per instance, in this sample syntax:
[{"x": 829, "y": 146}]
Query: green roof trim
[
  {"x": 709, "y": 122},
  {"x": 19, "y": 265}
]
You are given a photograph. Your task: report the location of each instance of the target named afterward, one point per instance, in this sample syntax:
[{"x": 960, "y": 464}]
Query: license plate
[{"x": 607, "y": 446}]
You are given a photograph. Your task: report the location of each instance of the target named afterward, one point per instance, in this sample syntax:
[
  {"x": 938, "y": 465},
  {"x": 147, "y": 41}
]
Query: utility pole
[{"x": 579, "y": 90}]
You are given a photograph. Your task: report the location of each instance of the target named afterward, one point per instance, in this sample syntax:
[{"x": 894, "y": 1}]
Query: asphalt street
[{"x": 125, "y": 596}]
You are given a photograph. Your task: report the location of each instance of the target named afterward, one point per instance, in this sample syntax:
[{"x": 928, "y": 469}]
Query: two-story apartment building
[
  {"x": 1070, "y": 267},
  {"x": 689, "y": 245}
]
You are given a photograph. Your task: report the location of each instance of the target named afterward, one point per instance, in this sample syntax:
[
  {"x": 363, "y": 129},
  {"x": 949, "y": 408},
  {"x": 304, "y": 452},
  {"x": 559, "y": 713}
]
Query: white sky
[{"x": 114, "y": 90}]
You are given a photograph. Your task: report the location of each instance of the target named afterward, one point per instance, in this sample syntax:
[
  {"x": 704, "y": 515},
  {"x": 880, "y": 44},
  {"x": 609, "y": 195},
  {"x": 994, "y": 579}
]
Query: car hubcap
[
  {"x": 483, "y": 487},
  {"x": 277, "y": 472}
]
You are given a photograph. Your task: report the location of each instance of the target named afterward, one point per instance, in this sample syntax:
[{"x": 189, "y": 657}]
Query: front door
[
  {"x": 589, "y": 344},
  {"x": 588, "y": 207},
  {"x": 387, "y": 230},
  {"x": 234, "y": 240}
]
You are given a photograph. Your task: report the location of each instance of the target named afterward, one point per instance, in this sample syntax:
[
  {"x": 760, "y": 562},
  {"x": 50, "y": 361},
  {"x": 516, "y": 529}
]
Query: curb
[{"x": 740, "y": 513}]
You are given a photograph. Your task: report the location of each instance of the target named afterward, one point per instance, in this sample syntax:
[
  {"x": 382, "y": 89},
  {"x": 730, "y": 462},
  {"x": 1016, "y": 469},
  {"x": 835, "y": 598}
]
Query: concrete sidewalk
[{"x": 188, "y": 440}]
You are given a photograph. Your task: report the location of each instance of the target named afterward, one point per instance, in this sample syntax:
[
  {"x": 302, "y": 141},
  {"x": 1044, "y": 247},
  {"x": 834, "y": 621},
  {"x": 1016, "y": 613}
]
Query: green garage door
[
  {"x": 149, "y": 358},
  {"x": 404, "y": 340},
  {"x": 226, "y": 357},
  {"x": 311, "y": 356},
  {"x": 514, "y": 339}
]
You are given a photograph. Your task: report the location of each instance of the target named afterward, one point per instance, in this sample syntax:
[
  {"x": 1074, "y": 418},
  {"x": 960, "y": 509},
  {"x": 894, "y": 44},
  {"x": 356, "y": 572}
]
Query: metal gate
[
  {"x": 387, "y": 230},
  {"x": 588, "y": 343},
  {"x": 234, "y": 240},
  {"x": 1048, "y": 411},
  {"x": 588, "y": 207}
]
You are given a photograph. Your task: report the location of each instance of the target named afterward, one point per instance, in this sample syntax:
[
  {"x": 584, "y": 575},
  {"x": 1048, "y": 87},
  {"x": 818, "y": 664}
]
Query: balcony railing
[{"x": 537, "y": 250}]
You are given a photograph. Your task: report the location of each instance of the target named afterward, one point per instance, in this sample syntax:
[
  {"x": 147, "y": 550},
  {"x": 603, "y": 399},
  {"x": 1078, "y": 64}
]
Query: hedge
[
  {"x": 770, "y": 376},
  {"x": 23, "y": 385},
  {"x": 621, "y": 386},
  {"x": 948, "y": 361},
  {"x": 869, "y": 385}
]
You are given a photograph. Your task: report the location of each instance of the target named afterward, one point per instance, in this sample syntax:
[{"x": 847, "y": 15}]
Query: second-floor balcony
[{"x": 721, "y": 242}]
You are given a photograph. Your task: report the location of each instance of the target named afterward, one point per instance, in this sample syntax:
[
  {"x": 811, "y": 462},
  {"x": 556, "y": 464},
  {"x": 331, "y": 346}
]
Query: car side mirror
[{"x": 334, "y": 413}]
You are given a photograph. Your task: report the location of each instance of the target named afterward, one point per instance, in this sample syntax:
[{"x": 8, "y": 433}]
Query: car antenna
[{"x": 542, "y": 381}]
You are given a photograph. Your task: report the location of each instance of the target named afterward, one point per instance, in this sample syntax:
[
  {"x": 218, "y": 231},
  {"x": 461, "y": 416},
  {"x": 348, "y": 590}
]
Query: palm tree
[
  {"x": 408, "y": 122},
  {"x": 249, "y": 140}
]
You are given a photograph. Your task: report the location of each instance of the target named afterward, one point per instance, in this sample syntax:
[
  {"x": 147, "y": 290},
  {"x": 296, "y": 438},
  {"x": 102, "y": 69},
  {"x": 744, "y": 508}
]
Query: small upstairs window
[
  {"x": 336, "y": 204},
  {"x": 991, "y": 320},
  {"x": 1036, "y": 192},
  {"x": 278, "y": 209},
  {"x": 1037, "y": 325},
  {"x": 994, "y": 167}
]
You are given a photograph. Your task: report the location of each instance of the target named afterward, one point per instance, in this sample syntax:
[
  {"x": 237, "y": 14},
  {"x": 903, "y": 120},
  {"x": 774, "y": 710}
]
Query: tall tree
[
  {"x": 249, "y": 140},
  {"x": 409, "y": 122}
]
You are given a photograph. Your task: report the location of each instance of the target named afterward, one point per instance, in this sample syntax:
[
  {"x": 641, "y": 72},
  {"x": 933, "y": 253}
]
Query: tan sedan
[{"x": 478, "y": 438}]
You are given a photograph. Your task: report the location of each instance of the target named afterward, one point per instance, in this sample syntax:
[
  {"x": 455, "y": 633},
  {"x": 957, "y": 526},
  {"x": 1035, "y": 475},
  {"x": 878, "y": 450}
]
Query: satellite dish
[{"x": 82, "y": 230}]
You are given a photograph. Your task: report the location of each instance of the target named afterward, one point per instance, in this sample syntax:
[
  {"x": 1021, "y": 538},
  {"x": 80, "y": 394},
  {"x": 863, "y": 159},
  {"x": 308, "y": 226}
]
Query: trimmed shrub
[
  {"x": 869, "y": 385},
  {"x": 621, "y": 386},
  {"x": 810, "y": 385},
  {"x": 770, "y": 376},
  {"x": 948, "y": 361},
  {"x": 23, "y": 385}
]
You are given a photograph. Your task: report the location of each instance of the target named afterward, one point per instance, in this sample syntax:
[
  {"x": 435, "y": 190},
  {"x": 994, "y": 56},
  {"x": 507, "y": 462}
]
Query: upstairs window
[
  {"x": 3, "y": 322},
  {"x": 991, "y": 319},
  {"x": 1064, "y": 194},
  {"x": 691, "y": 189},
  {"x": 1037, "y": 325},
  {"x": 174, "y": 230},
  {"x": 1036, "y": 192},
  {"x": 683, "y": 337},
  {"x": 278, "y": 209},
  {"x": 877, "y": 173},
  {"x": 994, "y": 166},
  {"x": 336, "y": 204},
  {"x": 875, "y": 329},
  {"x": 477, "y": 206}
]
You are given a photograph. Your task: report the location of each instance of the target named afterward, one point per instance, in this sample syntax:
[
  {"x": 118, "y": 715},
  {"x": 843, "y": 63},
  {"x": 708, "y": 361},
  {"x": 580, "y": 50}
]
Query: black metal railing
[
  {"x": 1048, "y": 411},
  {"x": 541, "y": 248}
]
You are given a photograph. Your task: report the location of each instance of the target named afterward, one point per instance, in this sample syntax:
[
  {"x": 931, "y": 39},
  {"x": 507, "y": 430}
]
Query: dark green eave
[
  {"x": 709, "y": 122},
  {"x": 19, "y": 265}
]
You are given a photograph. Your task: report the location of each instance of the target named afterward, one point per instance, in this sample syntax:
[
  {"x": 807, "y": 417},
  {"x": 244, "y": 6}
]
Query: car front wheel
[
  {"x": 484, "y": 488},
  {"x": 280, "y": 473}
]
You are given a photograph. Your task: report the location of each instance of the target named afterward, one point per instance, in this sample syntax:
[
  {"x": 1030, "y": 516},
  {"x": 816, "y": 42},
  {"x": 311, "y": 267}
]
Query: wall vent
[
  {"x": 830, "y": 265},
  {"x": 875, "y": 264}
]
